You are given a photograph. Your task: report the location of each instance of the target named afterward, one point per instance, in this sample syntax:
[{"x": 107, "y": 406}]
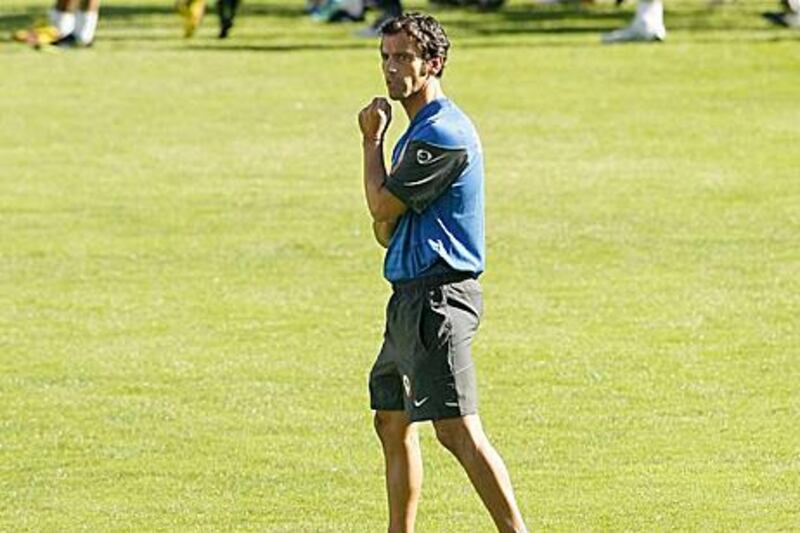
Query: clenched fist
[{"x": 375, "y": 118}]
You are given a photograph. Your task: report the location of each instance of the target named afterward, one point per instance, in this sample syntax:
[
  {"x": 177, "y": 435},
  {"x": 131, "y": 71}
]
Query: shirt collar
[{"x": 428, "y": 110}]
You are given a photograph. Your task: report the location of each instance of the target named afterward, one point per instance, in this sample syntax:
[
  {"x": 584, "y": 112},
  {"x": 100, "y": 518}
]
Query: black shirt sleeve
[{"x": 424, "y": 173}]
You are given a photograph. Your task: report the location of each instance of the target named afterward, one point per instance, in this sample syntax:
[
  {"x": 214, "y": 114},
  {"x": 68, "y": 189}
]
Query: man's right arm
[{"x": 373, "y": 120}]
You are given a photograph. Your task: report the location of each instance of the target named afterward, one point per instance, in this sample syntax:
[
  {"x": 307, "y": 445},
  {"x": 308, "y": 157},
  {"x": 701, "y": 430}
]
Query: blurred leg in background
[
  {"x": 226, "y": 9},
  {"x": 191, "y": 11},
  {"x": 647, "y": 25},
  {"x": 789, "y": 17},
  {"x": 75, "y": 28}
]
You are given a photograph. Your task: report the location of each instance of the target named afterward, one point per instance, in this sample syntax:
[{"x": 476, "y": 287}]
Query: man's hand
[
  {"x": 383, "y": 205},
  {"x": 375, "y": 118}
]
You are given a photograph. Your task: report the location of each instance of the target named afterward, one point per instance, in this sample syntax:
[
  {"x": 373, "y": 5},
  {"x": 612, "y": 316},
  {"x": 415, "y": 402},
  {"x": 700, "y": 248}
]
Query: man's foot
[
  {"x": 224, "y": 29},
  {"x": 787, "y": 20},
  {"x": 636, "y": 32},
  {"x": 71, "y": 41}
]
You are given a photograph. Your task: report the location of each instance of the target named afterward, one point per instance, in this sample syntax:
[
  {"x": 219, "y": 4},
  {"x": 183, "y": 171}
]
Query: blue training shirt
[{"x": 437, "y": 171}]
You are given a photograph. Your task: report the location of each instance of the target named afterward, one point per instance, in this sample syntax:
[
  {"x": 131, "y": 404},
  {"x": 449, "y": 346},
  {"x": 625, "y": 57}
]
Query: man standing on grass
[{"x": 428, "y": 211}]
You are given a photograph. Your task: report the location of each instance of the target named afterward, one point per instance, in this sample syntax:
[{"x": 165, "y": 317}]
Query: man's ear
[{"x": 435, "y": 65}]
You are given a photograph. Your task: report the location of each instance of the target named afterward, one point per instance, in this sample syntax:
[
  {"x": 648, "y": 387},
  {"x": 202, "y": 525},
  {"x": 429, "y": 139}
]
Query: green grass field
[{"x": 190, "y": 298}]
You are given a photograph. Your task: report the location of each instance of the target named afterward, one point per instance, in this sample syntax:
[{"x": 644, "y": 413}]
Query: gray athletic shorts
[{"x": 425, "y": 364}]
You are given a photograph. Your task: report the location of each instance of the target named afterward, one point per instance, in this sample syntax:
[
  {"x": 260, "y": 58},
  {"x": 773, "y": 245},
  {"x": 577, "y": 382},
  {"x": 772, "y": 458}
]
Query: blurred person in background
[
  {"x": 393, "y": 8},
  {"x": 72, "y": 24},
  {"x": 192, "y": 12}
]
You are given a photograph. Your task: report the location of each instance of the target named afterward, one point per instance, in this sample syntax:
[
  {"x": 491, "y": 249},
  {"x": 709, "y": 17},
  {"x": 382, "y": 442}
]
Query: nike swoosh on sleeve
[{"x": 423, "y": 181}]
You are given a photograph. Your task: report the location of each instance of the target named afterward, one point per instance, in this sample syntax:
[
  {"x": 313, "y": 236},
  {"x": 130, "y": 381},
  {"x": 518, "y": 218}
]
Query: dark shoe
[
  {"x": 788, "y": 20},
  {"x": 70, "y": 41},
  {"x": 490, "y": 5},
  {"x": 67, "y": 41},
  {"x": 225, "y": 27}
]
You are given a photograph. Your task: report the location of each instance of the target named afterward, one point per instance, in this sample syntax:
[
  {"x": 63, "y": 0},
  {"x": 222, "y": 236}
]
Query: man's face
[{"x": 404, "y": 70}]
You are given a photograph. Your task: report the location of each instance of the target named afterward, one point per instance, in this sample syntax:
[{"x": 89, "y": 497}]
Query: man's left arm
[
  {"x": 383, "y": 232},
  {"x": 426, "y": 170}
]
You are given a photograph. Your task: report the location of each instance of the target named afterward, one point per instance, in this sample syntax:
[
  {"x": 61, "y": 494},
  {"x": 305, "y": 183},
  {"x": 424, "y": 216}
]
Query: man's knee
[
  {"x": 457, "y": 436},
  {"x": 391, "y": 426}
]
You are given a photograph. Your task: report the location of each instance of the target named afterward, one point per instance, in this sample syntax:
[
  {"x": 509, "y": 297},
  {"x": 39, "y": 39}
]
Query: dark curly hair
[{"x": 425, "y": 30}]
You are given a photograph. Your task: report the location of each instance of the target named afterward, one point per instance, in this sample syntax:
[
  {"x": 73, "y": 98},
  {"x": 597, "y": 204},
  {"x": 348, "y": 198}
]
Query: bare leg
[
  {"x": 90, "y": 5},
  {"x": 62, "y": 17},
  {"x": 464, "y": 437},
  {"x": 400, "y": 442},
  {"x": 66, "y": 5}
]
